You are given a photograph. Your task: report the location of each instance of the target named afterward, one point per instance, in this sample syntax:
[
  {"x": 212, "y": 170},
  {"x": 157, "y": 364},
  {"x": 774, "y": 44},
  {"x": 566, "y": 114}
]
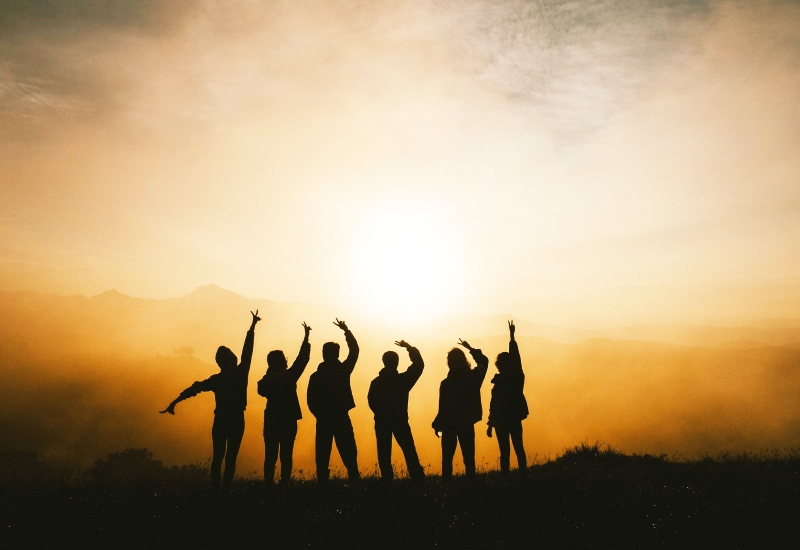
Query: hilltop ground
[{"x": 589, "y": 497}]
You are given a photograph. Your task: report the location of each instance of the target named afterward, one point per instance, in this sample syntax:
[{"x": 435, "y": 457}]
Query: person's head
[
  {"x": 226, "y": 359},
  {"x": 502, "y": 361},
  {"x": 330, "y": 351},
  {"x": 391, "y": 360},
  {"x": 276, "y": 360},
  {"x": 456, "y": 360}
]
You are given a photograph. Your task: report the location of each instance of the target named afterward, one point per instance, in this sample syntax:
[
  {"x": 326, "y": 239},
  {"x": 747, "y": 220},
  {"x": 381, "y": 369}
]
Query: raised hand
[
  {"x": 170, "y": 409},
  {"x": 402, "y": 344},
  {"x": 306, "y": 328},
  {"x": 511, "y": 328},
  {"x": 464, "y": 344},
  {"x": 341, "y": 324},
  {"x": 256, "y": 318}
]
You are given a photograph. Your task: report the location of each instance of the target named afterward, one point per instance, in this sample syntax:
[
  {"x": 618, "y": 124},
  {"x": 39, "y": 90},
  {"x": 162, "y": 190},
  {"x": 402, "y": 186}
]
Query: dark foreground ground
[{"x": 587, "y": 498}]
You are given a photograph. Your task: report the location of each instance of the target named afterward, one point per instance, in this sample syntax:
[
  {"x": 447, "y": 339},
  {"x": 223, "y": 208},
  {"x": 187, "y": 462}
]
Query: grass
[{"x": 591, "y": 496}]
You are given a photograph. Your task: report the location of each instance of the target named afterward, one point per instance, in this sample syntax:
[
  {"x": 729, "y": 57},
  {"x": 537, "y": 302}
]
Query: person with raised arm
[
  {"x": 460, "y": 408},
  {"x": 508, "y": 406},
  {"x": 388, "y": 399},
  {"x": 230, "y": 392},
  {"x": 330, "y": 399},
  {"x": 279, "y": 386}
]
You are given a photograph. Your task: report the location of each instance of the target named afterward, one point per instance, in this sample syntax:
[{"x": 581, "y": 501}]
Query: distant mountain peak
[
  {"x": 112, "y": 294},
  {"x": 212, "y": 291}
]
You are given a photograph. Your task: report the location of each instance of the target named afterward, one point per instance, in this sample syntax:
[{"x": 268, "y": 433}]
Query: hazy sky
[{"x": 592, "y": 162}]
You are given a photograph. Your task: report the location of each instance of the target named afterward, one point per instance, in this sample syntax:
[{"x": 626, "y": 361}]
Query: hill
[
  {"x": 84, "y": 376},
  {"x": 589, "y": 497}
]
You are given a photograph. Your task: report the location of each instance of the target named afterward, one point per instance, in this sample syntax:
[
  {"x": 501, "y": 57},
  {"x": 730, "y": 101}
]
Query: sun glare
[{"x": 406, "y": 266}]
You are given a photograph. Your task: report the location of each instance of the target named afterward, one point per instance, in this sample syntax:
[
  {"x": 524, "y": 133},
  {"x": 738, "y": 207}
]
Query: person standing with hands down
[
  {"x": 230, "y": 391},
  {"x": 460, "y": 408},
  {"x": 330, "y": 399},
  {"x": 508, "y": 406},
  {"x": 388, "y": 399},
  {"x": 279, "y": 386}
]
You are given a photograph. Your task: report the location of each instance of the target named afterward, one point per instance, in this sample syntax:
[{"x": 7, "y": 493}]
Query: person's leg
[
  {"x": 466, "y": 438},
  {"x": 519, "y": 448},
  {"x": 346, "y": 444},
  {"x": 323, "y": 444},
  {"x": 235, "y": 433},
  {"x": 383, "y": 436},
  {"x": 219, "y": 440},
  {"x": 271, "y": 446},
  {"x": 288, "y": 435},
  {"x": 402, "y": 432},
  {"x": 449, "y": 441},
  {"x": 501, "y": 433}
]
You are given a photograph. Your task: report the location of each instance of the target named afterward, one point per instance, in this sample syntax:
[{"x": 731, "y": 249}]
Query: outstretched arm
[
  {"x": 299, "y": 365},
  {"x": 249, "y": 339},
  {"x": 352, "y": 346},
  {"x": 414, "y": 371},
  {"x": 191, "y": 391},
  {"x": 515, "y": 361},
  {"x": 481, "y": 360}
]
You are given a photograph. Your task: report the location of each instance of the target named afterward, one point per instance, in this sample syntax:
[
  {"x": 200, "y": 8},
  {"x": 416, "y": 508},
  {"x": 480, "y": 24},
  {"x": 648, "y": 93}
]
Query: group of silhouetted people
[{"x": 330, "y": 398}]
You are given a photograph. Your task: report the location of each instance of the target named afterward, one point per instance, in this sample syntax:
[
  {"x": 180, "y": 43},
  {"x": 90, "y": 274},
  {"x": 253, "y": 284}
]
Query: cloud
[
  {"x": 51, "y": 66},
  {"x": 572, "y": 64},
  {"x": 55, "y": 17},
  {"x": 32, "y": 99},
  {"x": 589, "y": 145}
]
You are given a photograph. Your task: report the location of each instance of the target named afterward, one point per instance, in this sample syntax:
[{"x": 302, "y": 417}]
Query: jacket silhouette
[
  {"x": 279, "y": 386},
  {"x": 388, "y": 399},
  {"x": 460, "y": 408},
  {"x": 230, "y": 392},
  {"x": 508, "y": 406},
  {"x": 330, "y": 399}
]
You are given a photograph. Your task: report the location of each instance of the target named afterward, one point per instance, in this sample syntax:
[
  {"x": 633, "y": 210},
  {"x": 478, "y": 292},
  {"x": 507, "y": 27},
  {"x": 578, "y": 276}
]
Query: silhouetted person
[
  {"x": 388, "y": 399},
  {"x": 329, "y": 400},
  {"x": 230, "y": 391},
  {"x": 460, "y": 408},
  {"x": 279, "y": 386},
  {"x": 508, "y": 406}
]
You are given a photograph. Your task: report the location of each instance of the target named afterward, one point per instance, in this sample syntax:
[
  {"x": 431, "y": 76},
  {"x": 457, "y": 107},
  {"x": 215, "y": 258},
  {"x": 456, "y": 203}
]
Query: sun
[{"x": 405, "y": 266}]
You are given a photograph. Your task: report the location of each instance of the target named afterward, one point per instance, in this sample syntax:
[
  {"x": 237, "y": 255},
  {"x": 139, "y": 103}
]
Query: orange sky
[{"x": 590, "y": 163}]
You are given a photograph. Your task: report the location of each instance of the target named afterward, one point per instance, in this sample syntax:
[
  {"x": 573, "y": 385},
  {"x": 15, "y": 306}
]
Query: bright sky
[{"x": 586, "y": 163}]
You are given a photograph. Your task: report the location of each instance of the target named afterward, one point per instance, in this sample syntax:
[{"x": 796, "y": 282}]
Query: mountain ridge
[{"x": 211, "y": 299}]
